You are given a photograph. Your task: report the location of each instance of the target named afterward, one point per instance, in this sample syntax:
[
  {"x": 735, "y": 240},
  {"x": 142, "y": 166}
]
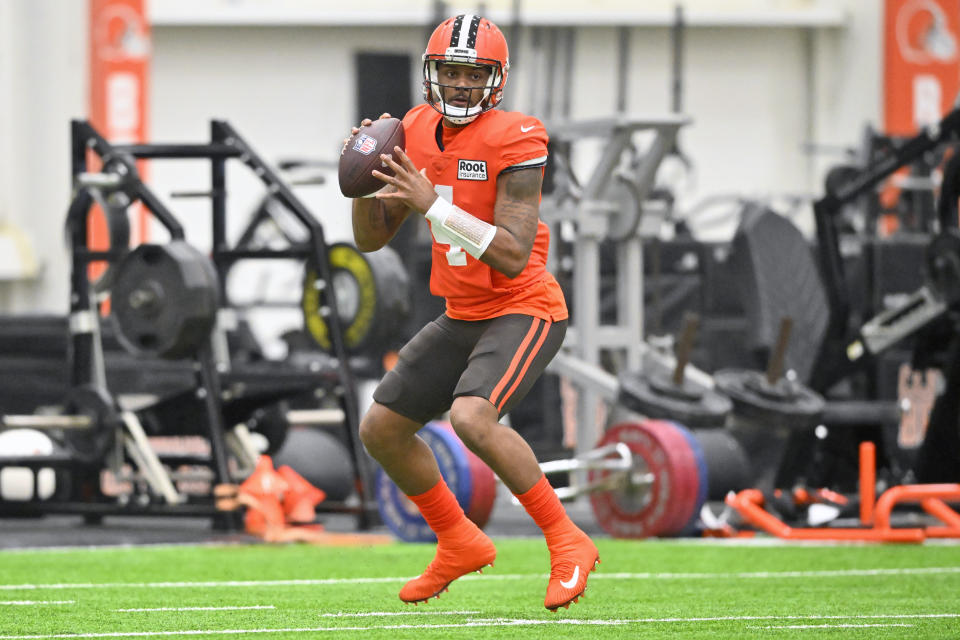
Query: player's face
[{"x": 463, "y": 84}]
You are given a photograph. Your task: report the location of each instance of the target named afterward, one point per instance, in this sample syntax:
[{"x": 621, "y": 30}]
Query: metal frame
[
  {"x": 85, "y": 350},
  {"x": 588, "y": 338},
  {"x": 832, "y": 365}
]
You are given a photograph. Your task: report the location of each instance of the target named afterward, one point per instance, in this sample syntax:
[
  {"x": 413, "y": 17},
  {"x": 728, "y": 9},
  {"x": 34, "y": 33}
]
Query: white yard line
[
  {"x": 504, "y": 622},
  {"x": 835, "y": 626},
  {"x": 122, "y": 546},
  {"x": 377, "y": 614},
  {"x": 758, "y": 541},
  {"x": 237, "y": 608},
  {"x": 838, "y": 573}
]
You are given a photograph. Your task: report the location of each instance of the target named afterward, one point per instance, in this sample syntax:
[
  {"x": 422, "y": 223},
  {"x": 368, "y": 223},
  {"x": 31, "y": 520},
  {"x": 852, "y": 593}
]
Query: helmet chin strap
[{"x": 460, "y": 115}]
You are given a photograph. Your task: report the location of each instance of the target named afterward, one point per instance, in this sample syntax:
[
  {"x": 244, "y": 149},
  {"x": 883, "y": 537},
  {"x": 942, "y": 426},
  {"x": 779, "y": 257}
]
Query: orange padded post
[{"x": 868, "y": 482}]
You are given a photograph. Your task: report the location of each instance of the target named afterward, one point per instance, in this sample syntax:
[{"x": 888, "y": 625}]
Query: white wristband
[{"x": 472, "y": 233}]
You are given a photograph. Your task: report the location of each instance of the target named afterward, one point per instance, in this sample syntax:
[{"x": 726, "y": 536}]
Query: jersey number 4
[{"x": 456, "y": 256}]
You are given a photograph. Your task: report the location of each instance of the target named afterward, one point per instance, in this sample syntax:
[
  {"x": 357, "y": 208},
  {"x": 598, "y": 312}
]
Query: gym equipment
[
  {"x": 703, "y": 478},
  {"x": 97, "y": 421},
  {"x": 164, "y": 300},
  {"x": 767, "y": 408},
  {"x": 840, "y": 355},
  {"x": 169, "y": 302},
  {"x": 372, "y": 291},
  {"x": 597, "y": 218},
  {"x": 657, "y": 393},
  {"x": 728, "y": 468},
  {"x": 875, "y": 514},
  {"x": 89, "y": 423},
  {"x": 23, "y": 483},
  {"x": 661, "y": 493},
  {"x": 644, "y": 478},
  {"x": 471, "y": 481},
  {"x": 114, "y": 211},
  {"x": 321, "y": 458},
  {"x": 776, "y": 277}
]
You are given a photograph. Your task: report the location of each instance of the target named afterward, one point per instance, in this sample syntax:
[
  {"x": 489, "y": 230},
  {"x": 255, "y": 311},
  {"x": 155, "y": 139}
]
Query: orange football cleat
[
  {"x": 572, "y": 557},
  {"x": 460, "y": 551}
]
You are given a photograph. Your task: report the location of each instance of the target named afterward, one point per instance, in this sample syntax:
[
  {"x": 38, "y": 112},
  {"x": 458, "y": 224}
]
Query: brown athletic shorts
[{"x": 497, "y": 359}]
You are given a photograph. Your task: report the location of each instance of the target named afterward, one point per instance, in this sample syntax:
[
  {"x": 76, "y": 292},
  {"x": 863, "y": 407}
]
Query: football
[{"x": 362, "y": 155}]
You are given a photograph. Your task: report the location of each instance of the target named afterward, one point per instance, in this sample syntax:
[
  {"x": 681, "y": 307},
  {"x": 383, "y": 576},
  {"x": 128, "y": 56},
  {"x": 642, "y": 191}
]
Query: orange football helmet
[{"x": 469, "y": 40}]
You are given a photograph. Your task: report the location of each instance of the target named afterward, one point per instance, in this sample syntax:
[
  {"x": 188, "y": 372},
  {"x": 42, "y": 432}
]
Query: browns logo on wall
[
  {"x": 921, "y": 63},
  {"x": 119, "y": 81}
]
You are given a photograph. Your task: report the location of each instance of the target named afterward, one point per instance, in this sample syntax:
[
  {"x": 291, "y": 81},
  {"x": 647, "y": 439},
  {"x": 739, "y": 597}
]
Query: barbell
[
  {"x": 89, "y": 422},
  {"x": 645, "y": 478}
]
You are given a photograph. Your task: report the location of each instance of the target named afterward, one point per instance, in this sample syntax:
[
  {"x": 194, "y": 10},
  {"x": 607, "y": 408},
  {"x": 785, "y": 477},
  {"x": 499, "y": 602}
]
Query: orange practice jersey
[{"x": 465, "y": 172}]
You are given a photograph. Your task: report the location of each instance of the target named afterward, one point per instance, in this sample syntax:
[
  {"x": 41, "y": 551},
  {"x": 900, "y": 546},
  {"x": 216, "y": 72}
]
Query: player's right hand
[{"x": 366, "y": 122}]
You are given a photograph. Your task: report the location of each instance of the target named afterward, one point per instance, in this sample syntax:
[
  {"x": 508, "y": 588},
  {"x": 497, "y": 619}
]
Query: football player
[{"x": 475, "y": 173}]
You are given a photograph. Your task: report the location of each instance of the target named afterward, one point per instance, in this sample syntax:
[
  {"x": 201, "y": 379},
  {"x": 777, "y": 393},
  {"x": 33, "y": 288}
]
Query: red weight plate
[
  {"x": 640, "y": 512},
  {"x": 687, "y": 476}
]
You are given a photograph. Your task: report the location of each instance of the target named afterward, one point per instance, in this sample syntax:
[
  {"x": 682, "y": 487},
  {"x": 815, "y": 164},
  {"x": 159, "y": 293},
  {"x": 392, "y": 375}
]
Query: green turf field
[{"x": 643, "y": 589}]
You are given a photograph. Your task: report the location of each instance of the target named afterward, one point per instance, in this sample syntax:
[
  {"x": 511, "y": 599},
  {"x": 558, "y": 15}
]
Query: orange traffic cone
[
  {"x": 301, "y": 497},
  {"x": 262, "y": 493}
]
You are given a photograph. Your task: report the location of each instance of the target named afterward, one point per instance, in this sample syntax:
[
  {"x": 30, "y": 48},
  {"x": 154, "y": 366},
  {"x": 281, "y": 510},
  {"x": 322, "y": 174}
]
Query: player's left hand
[{"x": 410, "y": 184}]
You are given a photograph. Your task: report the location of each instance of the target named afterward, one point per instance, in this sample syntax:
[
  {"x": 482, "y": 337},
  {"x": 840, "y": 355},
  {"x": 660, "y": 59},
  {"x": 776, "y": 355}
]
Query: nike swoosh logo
[
  {"x": 569, "y": 584},
  {"x": 525, "y": 129}
]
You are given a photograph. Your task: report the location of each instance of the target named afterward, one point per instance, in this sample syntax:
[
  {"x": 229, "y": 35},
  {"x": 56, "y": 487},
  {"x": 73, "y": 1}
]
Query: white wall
[
  {"x": 42, "y": 85},
  {"x": 288, "y": 90},
  {"x": 755, "y": 93}
]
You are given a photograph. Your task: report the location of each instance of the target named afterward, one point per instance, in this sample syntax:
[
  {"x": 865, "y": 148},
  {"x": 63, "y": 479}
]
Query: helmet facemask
[
  {"x": 466, "y": 39},
  {"x": 433, "y": 88}
]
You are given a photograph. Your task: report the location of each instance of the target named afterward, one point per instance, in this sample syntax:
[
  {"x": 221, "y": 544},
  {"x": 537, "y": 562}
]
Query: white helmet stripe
[{"x": 462, "y": 38}]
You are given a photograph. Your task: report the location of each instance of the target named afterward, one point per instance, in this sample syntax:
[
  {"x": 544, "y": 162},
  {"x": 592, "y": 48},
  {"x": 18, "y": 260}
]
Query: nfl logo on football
[{"x": 365, "y": 144}]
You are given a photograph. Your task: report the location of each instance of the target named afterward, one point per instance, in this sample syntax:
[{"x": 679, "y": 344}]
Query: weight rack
[{"x": 118, "y": 184}]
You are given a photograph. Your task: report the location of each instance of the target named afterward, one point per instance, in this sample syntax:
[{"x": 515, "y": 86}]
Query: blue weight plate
[
  {"x": 703, "y": 478},
  {"x": 398, "y": 512}
]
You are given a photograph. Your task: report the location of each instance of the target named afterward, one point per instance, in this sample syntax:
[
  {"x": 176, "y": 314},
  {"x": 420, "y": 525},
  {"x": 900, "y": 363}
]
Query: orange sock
[
  {"x": 439, "y": 507},
  {"x": 542, "y": 503}
]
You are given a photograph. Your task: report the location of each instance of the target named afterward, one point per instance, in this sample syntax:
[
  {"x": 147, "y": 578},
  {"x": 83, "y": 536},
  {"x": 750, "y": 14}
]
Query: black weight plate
[
  {"x": 91, "y": 444},
  {"x": 728, "y": 467},
  {"x": 785, "y": 404},
  {"x": 943, "y": 265},
  {"x": 118, "y": 232},
  {"x": 657, "y": 397},
  {"x": 373, "y": 299},
  {"x": 164, "y": 300}
]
